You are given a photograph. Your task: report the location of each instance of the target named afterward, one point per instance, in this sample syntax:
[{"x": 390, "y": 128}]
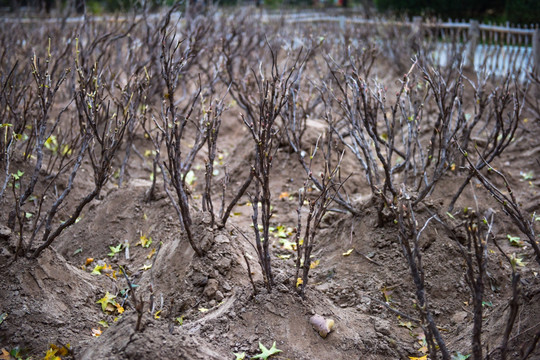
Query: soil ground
[{"x": 206, "y": 308}]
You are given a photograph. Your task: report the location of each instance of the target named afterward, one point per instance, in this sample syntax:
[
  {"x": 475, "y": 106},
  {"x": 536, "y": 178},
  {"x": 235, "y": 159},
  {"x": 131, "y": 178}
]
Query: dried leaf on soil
[
  {"x": 266, "y": 353},
  {"x": 107, "y": 302},
  {"x": 240, "y": 356},
  {"x": 348, "y": 252},
  {"x": 5, "y": 355},
  {"x": 144, "y": 241}
]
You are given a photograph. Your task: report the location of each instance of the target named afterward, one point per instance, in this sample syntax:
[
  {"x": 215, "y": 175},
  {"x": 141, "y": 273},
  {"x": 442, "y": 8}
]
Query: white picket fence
[{"x": 493, "y": 48}]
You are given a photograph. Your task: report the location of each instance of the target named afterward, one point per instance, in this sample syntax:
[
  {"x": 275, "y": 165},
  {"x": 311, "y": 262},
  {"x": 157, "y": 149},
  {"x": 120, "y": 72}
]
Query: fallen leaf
[
  {"x": 203, "y": 310},
  {"x": 97, "y": 269},
  {"x": 287, "y": 245},
  {"x": 460, "y": 356},
  {"x": 407, "y": 325},
  {"x": 119, "y": 308},
  {"x": 61, "y": 350},
  {"x": 418, "y": 358},
  {"x": 348, "y": 252},
  {"x": 190, "y": 177},
  {"x": 314, "y": 264},
  {"x": 299, "y": 282},
  {"x": 51, "y": 355},
  {"x": 115, "y": 250},
  {"x": 283, "y": 195},
  {"x": 240, "y": 356},
  {"x": 96, "y": 332},
  {"x": 156, "y": 315},
  {"x": 387, "y": 293},
  {"x": 108, "y": 299},
  {"x": 266, "y": 353},
  {"x": 146, "y": 267},
  {"x": 152, "y": 252},
  {"x": 5, "y": 355},
  {"x": 144, "y": 241},
  {"x": 89, "y": 261},
  {"x": 103, "y": 323}
]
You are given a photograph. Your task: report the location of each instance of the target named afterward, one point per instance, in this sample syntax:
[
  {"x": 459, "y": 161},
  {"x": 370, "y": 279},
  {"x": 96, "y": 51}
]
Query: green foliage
[
  {"x": 115, "y": 250},
  {"x": 266, "y": 353},
  {"x": 515, "y": 11},
  {"x": 523, "y": 11}
]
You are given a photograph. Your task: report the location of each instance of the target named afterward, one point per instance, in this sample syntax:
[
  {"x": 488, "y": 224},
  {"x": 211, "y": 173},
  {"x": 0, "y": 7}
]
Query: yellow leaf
[
  {"x": 51, "y": 354},
  {"x": 314, "y": 264},
  {"x": 89, "y": 261},
  {"x": 387, "y": 294},
  {"x": 107, "y": 300},
  {"x": 203, "y": 310},
  {"x": 146, "y": 267},
  {"x": 61, "y": 351},
  {"x": 418, "y": 358},
  {"x": 299, "y": 282},
  {"x": 144, "y": 241},
  {"x": 97, "y": 269},
  {"x": 407, "y": 324},
  {"x": 5, "y": 355},
  {"x": 348, "y": 252},
  {"x": 156, "y": 315},
  {"x": 96, "y": 332},
  {"x": 152, "y": 252},
  {"x": 283, "y": 195},
  {"x": 119, "y": 308}
]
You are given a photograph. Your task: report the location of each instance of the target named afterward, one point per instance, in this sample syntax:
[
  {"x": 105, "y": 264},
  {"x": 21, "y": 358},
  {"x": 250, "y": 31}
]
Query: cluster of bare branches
[{"x": 85, "y": 107}]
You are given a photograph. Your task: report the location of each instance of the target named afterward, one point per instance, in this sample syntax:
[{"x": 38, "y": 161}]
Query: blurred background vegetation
[{"x": 498, "y": 11}]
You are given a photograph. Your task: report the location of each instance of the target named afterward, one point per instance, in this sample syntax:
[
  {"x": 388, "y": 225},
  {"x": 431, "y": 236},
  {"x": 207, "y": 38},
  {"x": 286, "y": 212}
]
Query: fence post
[
  {"x": 474, "y": 35},
  {"x": 417, "y": 31},
  {"x": 536, "y": 51}
]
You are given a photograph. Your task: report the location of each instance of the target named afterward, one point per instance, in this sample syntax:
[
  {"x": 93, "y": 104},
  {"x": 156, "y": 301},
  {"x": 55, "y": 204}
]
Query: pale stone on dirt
[
  {"x": 321, "y": 325},
  {"x": 211, "y": 288},
  {"x": 5, "y": 232}
]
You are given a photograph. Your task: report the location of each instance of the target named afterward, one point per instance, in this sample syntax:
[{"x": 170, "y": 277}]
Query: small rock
[
  {"x": 321, "y": 325},
  {"x": 324, "y": 287},
  {"x": 219, "y": 296},
  {"x": 5, "y": 232},
  {"x": 211, "y": 288},
  {"x": 459, "y": 317},
  {"x": 226, "y": 286},
  {"x": 199, "y": 279},
  {"x": 212, "y": 303},
  {"x": 382, "y": 326},
  {"x": 221, "y": 239},
  {"x": 223, "y": 265}
]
